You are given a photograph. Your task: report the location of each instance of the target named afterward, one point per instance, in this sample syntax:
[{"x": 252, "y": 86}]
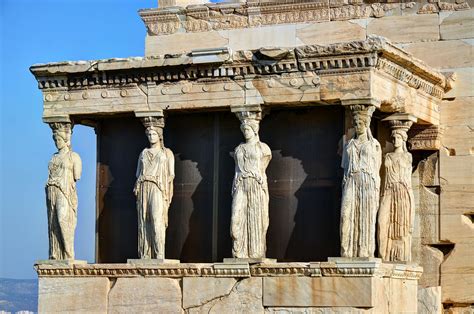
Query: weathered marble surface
[
  {"x": 320, "y": 291},
  {"x": 64, "y": 169},
  {"x": 456, "y": 192},
  {"x": 371, "y": 68},
  {"x": 361, "y": 161},
  {"x": 205, "y": 288},
  {"x": 141, "y": 295},
  {"x": 154, "y": 191},
  {"x": 245, "y": 297},
  {"x": 249, "y": 221},
  {"x": 88, "y": 295},
  {"x": 194, "y": 295},
  {"x": 397, "y": 204},
  {"x": 429, "y": 300}
]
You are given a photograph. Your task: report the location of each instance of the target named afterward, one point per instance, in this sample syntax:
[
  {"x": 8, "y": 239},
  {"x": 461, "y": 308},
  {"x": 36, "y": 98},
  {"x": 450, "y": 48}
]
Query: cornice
[{"x": 356, "y": 56}]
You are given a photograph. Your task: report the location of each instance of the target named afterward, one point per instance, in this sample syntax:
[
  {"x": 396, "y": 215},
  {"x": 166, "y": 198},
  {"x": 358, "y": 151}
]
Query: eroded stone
[
  {"x": 245, "y": 297},
  {"x": 199, "y": 291},
  {"x": 429, "y": 300},
  {"x": 73, "y": 295},
  {"x": 160, "y": 295}
]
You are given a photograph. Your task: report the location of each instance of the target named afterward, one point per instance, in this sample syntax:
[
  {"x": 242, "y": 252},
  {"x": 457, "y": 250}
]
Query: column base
[
  {"x": 152, "y": 261},
  {"x": 61, "y": 262},
  {"x": 249, "y": 260}
]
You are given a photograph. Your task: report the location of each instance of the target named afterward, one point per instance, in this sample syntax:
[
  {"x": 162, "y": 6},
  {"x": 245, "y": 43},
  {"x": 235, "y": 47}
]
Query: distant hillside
[{"x": 18, "y": 295}]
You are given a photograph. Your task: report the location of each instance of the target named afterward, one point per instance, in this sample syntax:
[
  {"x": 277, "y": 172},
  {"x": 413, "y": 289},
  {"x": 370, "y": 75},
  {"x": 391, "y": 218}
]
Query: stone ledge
[{"x": 324, "y": 269}]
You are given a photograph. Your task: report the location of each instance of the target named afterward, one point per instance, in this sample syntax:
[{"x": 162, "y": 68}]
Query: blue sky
[{"x": 32, "y": 32}]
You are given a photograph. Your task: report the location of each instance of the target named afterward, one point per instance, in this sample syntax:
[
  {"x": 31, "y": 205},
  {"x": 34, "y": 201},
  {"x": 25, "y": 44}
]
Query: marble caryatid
[
  {"x": 154, "y": 191},
  {"x": 249, "y": 222},
  {"x": 361, "y": 161},
  {"x": 64, "y": 169},
  {"x": 397, "y": 210}
]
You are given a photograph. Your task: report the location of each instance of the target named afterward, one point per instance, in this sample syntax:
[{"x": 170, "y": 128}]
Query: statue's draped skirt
[
  {"x": 153, "y": 198},
  {"x": 249, "y": 221},
  {"x": 61, "y": 201},
  {"x": 360, "y": 198},
  {"x": 151, "y": 220},
  {"x": 396, "y": 209}
]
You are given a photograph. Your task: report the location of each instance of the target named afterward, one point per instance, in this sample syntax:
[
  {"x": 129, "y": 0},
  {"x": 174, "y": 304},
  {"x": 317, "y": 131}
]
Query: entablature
[{"x": 306, "y": 75}]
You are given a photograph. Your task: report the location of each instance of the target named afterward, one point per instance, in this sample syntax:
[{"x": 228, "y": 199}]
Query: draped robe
[
  {"x": 360, "y": 197},
  {"x": 396, "y": 215},
  {"x": 249, "y": 222},
  {"x": 154, "y": 190},
  {"x": 61, "y": 200}
]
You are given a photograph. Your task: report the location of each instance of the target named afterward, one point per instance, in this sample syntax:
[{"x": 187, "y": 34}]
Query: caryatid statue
[
  {"x": 361, "y": 161},
  {"x": 154, "y": 191},
  {"x": 249, "y": 222},
  {"x": 64, "y": 169},
  {"x": 397, "y": 209}
]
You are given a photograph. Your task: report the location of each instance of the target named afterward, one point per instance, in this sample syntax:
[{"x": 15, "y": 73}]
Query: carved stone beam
[
  {"x": 425, "y": 137},
  {"x": 57, "y": 119},
  {"x": 369, "y": 101},
  {"x": 401, "y": 117},
  {"x": 246, "y": 108}
]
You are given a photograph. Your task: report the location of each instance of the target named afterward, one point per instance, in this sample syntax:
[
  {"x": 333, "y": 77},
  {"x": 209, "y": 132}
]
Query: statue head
[
  {"x": 399, "y": 133},
  {"x": 361, "y": 116},
  {"x": 249, "y": 123},
  {"x": 154, "y": 129},
  {"x": 249, "y": 128},
  {"x": 61, "y": 134},
  {"x": 154, "y": 134}
]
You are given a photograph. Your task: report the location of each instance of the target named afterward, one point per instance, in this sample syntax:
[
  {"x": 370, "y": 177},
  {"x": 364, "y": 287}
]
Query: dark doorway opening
[{"x": 304, "y": 183}]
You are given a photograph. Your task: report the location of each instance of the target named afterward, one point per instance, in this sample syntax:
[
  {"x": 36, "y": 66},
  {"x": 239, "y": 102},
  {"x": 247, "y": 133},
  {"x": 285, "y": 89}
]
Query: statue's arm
[
  {"x": 410, "y": 192},
  {"x": 77, "y": 166},
  {"x": 171, "y": 174},
  {"x": 409, "y": 171},
  {"x": 344, "y": 163},
  {"x": 378, "y": 155},
  {"x": 237, "y": 172},
  {"x": 378, "y": 163},
  {"x": 137, "y": 174},
  {"x": 139, "y": 165},
  {"x": 267, "y": 155}
]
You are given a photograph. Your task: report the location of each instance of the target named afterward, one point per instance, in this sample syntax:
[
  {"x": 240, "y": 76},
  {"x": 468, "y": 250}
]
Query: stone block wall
[
  {"x": 338, "y": 286},
  {"x": 440, "y": 33}
]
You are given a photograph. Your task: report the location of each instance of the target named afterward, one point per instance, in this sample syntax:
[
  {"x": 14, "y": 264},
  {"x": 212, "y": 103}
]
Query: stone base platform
[
  {"x": 249, "y": 260},
  {"x": 155, "y": 261},
  {"x": 357, "y": 286}
]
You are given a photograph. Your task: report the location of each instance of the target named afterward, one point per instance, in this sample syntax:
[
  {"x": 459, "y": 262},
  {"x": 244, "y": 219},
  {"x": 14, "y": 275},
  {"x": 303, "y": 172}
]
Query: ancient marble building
[{"x": 371, "y": 86}]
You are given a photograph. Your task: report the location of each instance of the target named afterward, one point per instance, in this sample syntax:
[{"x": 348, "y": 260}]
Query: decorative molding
[
  {"x": 356, "y": 56},
  {"x": 230, "y": 270},
  {"x": 425, "y": 137},
  {"x": 253, "y": 13},
  {"x": 407, "y": 76}
]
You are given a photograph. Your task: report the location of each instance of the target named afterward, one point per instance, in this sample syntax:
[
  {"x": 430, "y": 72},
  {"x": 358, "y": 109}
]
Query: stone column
[
  {"x": 249, "y": 222},
  {"x": 397, "y": 205},
  {"x": 361, "y": 161},
  {"x": 153, "y": 190},
  {"x": 64, "y": 169}
]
